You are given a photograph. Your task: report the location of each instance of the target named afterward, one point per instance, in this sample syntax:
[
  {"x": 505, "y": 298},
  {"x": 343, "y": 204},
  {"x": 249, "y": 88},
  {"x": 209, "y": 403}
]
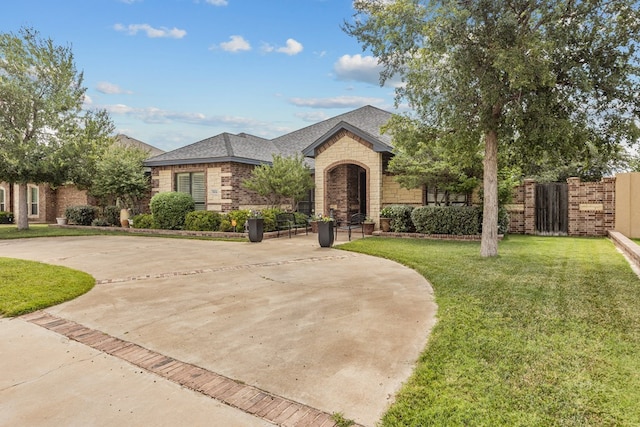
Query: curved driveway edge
[{"x": 333, "y": 330}]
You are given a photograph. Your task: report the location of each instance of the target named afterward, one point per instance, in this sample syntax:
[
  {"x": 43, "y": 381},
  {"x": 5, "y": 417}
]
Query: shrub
[
  {"x": 99, "y": 222},
  {"x": 400, "y": 216},
  {"x": 503, "y": 221},
  {"x": 269, "y": 216},
  {"x": 170, "y": 209},
  {"x": 6, "y": 217},
  {"x": 447, "y": 219},
  {"x": 81, "y": 215},
  {"x": 202, "y": 221},
  {"x": 240, "y": 217},
  {"x": 111, "y": 215},
  {"x": 144, "y": 221}
]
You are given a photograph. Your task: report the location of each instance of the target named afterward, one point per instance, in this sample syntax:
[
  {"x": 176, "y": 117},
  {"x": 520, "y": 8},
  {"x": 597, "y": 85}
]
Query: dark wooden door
[{"x": 552, "y": 208}]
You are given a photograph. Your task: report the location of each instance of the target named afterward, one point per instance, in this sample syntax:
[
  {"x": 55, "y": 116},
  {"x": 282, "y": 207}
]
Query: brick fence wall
[{"x": 591, "y": 207}]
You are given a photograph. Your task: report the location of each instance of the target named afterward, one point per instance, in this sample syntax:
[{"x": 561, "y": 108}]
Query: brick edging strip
[{"x": 249, "y": 399}]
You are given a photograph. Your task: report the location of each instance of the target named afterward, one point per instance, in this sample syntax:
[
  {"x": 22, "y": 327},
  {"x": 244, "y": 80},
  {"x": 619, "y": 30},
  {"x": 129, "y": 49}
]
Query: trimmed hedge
[
  {"x": 6, "y": 217},
  {"x": 111, "y": 215},
  {"x": 81, "y": 215},
  {"x": 143, "y": 221},
  {"x": 202, "y": 221},
  {"x": 457, "y": 220},
  {"x": 240, "y": 217},
  {"x": 400, "y": 215},
  {"x": 170, "y": 209}
]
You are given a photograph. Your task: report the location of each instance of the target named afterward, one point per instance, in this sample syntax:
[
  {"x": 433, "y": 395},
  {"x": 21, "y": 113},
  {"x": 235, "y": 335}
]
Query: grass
[
  {"x": 27, "y": 286},
  {"x": 43, "y": 230},
  {"x": 546, "y": 334}
]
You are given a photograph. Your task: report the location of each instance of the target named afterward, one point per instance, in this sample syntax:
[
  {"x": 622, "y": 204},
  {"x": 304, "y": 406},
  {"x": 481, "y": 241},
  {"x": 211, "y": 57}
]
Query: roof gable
[{"x": 375, "y": 143}]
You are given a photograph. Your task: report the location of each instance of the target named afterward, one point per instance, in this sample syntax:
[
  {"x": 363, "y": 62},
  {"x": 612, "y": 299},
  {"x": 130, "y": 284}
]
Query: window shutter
[{"x": 198, "y": 190}]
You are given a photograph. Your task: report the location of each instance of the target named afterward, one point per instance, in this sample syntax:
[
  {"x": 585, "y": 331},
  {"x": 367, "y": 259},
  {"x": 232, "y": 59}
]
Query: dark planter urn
[
  {"x": 325, "y": 233},
  {"x": 256, "y": 229},
  {"x": 368, "y": 228}
]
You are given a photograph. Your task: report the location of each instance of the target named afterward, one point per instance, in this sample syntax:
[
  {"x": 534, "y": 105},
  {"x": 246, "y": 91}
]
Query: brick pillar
[
  {"x": 609, "y": 202},
  {"x": 529, "y": 206},
  {"x": 574, "y": 206}
]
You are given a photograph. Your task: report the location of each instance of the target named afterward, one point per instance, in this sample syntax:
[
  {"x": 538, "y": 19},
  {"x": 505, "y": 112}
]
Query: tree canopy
[
  {"x": 287, "y": 179},
  {"x": 535, "y": 78},
  {"x": 119, "y": 177},
  {"x": 45, "y": 136}
]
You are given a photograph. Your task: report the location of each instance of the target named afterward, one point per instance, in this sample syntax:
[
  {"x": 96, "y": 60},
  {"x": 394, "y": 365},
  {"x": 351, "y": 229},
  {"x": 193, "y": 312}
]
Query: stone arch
[{"x": 347, "y": 188}]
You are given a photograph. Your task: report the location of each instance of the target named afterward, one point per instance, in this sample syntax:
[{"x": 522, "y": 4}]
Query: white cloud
[
  {"x": 358, "y": 68},
  {"x": 129, "y": 1},
  {"x": 362, "y": 69},
  {"x": 336, "y": 102},
  {"x": 236, "y": 44},
  {"x": 218, "y": 2},
  {"x": 162, "y": 32},
  {"x": 110, "y": 88},
  {"x": 293, "y": 47},
  {"x": 312, "y": 116},
  {"x": 154, "y": 115}
]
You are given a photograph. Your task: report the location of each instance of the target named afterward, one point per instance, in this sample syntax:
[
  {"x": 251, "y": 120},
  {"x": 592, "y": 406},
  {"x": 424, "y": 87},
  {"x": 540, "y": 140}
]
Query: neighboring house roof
[
  {"x": 244, "y": 148},
  {"x": 127, "y": 141}
]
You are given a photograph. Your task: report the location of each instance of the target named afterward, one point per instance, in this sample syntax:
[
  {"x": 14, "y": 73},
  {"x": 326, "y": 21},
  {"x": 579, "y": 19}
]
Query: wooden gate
[{"x": 552, "y": 209}]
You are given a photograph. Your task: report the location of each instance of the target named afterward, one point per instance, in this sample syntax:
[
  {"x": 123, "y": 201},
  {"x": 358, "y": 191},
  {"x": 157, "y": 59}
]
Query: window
[
  {"x": 192, "y": 183},
  {"x": 33, "y": 201},
  {"x": 2, "y": 202}
]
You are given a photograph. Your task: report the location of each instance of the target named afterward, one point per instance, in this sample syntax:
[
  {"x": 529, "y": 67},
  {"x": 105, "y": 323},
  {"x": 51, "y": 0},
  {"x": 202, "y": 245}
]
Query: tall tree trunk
[
  {"x": 489, "y": 243},
  {"x": 23, "y": 207}
]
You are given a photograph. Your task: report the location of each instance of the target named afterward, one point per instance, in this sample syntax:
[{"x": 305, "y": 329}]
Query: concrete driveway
[{"x": 327, "y": 330}]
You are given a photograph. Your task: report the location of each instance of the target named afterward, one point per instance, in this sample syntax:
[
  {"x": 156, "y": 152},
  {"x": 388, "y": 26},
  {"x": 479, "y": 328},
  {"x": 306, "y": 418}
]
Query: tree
[
  {"x": 287, "y": 178},
  {"x": 537, "y": 77},
  {"x": 421, "y": 159},
  {"x": 119, "y": 176},
  {"x": 44, "y": 135}
]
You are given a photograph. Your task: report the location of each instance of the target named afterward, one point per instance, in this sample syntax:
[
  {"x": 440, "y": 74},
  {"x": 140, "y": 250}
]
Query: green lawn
[
  {"x": 548, "y": 333},
  {"x": 43, "y": 230},
  {"x": 26, "y": 286}
]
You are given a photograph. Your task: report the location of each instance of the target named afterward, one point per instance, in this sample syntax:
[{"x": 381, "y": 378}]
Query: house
[
  {"x": 348, "y": 155},
  {"x": 46, "y": 203}
]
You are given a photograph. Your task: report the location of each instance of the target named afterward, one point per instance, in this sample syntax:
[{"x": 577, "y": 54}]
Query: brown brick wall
[{"x": 591, "y": 207}]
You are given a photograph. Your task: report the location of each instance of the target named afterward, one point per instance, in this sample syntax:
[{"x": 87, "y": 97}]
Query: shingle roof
[
  {"x": 245, "y": 148},
  {"x": 242, "y": 148},
  {"x": 368, "y": 118},
  {"x": 127, "y": 141}
]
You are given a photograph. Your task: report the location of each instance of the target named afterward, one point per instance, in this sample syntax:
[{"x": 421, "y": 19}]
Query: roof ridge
[{"x": 227, "y": 144}]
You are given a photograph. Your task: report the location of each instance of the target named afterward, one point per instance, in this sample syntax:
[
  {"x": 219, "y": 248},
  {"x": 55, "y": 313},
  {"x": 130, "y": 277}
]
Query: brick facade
[
  {"x": 342, "y": 157},
  {"x": 223, "y": 184},
  {"x": 591, "y": 207}
]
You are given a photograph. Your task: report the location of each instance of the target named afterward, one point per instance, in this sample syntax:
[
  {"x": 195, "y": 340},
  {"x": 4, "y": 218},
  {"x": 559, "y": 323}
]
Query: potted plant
[
  {"x": 368, "y": 225},
  {"x": 385, "y": 219},
  {"x": 325, "y": 231},
  {"x": 61, "y": 220},
  {"x": 255, "y": 225}
]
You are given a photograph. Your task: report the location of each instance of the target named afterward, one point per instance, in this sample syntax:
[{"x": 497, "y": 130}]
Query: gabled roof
[
  {"x": 375, "y": 141},
  {"x": 225, "y": 147},
  {"x": 244, "y": 148},
  {"x": 127, "y": 141},
  {"x": 368, "y": 119}
]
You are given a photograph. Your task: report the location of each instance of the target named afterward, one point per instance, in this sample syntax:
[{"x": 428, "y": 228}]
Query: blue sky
[{"x": 172, "y": 72}]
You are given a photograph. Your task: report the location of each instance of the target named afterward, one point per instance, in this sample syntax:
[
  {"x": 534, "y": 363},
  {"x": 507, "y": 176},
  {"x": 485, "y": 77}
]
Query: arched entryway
[{"x": 346, "y": 190}]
